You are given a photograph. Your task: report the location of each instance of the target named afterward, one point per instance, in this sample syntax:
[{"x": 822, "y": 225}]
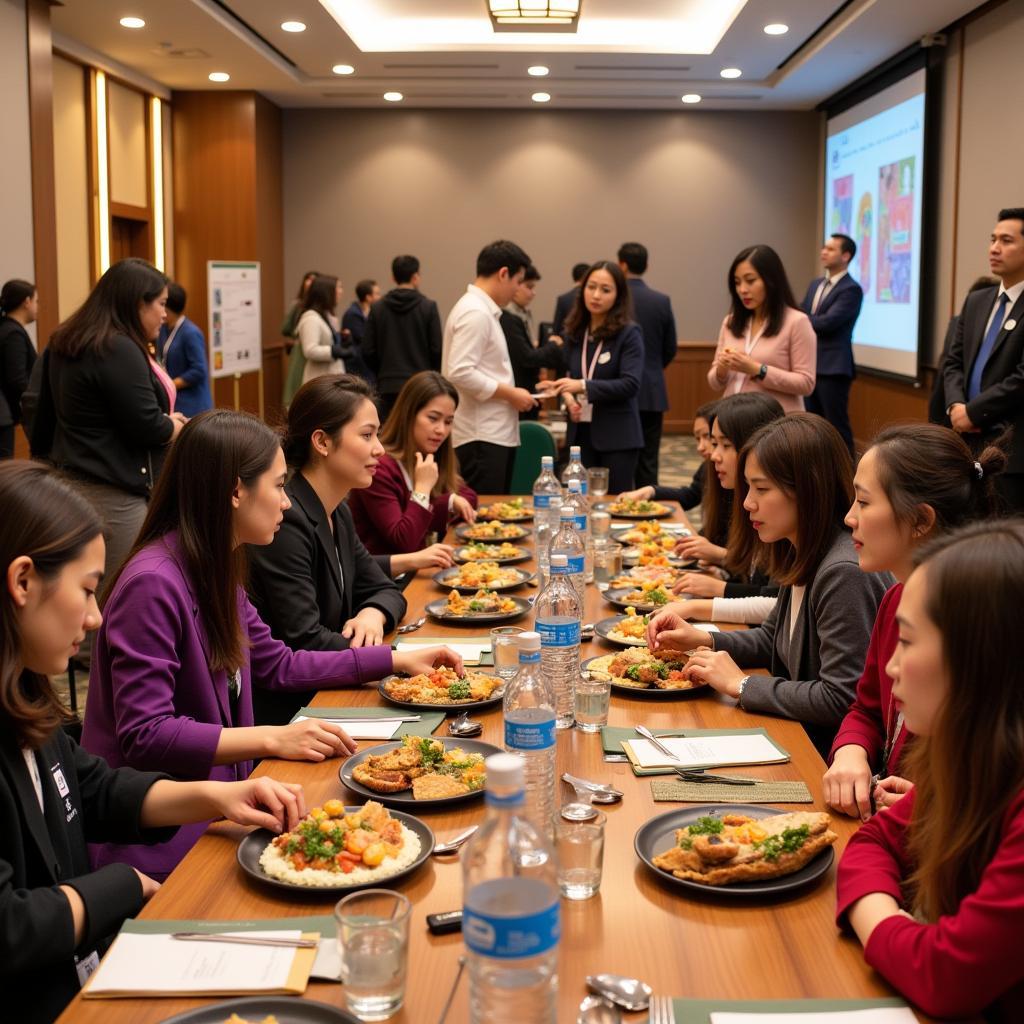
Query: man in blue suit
[
  {"x": 181, "y": 347},
  {"x": 653, "y": 312},
  {"x": 833, "y": 303},
  {"x": 565, "y": 301}
]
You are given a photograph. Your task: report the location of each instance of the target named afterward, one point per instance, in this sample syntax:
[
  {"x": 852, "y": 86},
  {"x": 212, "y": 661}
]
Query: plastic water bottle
[
  {"x": 558, "y": 616},
  {"x": 510, "y": 911},
  {"x": 574, "y": 470},
  {"x": 570, "y": 543},
  {"x": 581, "y": 517},
  {"x": 547, "y": 503},
  {"x": 529, "y": 708}
]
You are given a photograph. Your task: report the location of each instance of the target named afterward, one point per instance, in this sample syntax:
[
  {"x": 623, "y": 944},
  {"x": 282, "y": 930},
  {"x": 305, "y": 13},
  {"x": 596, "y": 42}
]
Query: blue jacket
[
  {"x": 833, "y": 324},
  {"x": 612, "y": 390},
  {"x": 186, "y": 358},
  {"x": 653, "y": 312}
]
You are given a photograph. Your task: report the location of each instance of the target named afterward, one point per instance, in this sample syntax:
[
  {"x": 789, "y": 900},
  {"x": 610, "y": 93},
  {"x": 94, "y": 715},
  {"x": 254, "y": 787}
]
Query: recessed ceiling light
[
  {"x": 730, "y": 72},
  {"x": 293, "y": 26},
  {"x": 132, "y": 23},
  {"x": 541, "y": 97},
  {"x": 691, "y": 97},
  {"x": 219, "y": 76},
  {"x": 776, "y": 28},
  {"x": 343, "y": 69},
  {"x": 538, "y": 70},
  {"x": 393, "y": 97}
]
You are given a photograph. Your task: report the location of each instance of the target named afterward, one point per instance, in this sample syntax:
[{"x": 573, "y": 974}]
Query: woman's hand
[
  {"x": 278, "y": 806},
  {"x": 847, "y": 783},
  {"x": 413, "y": 662},
  {"x": 738, "y": 362},
  {"x": 365, "y": 629},
  {"x": 891, "y": 790},
  {"x": 574, "y": 409},
  {"x": 312, "y": 739},
  {"x": 669, "y": 629},
  {"x": 178, "y": 420},
  {"x": 565, "y": 386},
  {"x": 462, "y": 509},
  {"x": 424, "y": 474},
  {"x": 717, "y": 669},
  {"x": 640, "y": 494},
  {"x": 440, "y": 556},
  {"x": 701, "y": 548},
  {"x": 699, "y": 585}
]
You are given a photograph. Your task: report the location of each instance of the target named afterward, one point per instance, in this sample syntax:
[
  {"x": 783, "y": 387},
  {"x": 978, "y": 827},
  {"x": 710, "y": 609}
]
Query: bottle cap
[
  {"x": 547, "y": 462},
  {"x": 574, "y": 487},
  {"x": 574, "y": 451},
  {"x": 529, "y": 641},
  {"x": 559, "y": 561},
  {"x": 505, "y": 771}
]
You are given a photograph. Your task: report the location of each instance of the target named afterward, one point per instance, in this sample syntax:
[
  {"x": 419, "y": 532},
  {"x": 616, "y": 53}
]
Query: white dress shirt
[
  {"x": 828, "y": 281},
  {"x": 475, "y": 360}
]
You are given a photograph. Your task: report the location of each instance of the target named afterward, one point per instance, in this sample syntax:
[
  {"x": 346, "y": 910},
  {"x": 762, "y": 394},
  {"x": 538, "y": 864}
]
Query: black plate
[
  {"x": 287, "y": 1009},
  {"x": 405, "y": 799},
  {"x": 659, "y": 834},
  {"x": 605, "y": 506},
  {"x": 449, "y": 709},
  {"x": 523, "y": 556},
  {"x": 462, "y": 532},
  {"x": 616, "y": 596},
  {"x": 437, "y": 609},
  {"x": 649, "y": 692},
  {"x": 441, "y": 579},
  {"x": 601, "y": 629},
  {"x": 631, "y": 556},
  {"x": 252, "y": 846}
]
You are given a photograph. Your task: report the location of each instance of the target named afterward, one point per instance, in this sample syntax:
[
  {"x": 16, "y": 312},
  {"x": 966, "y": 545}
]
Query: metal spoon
[
  {"x": 586, "y": 632},
  {"x": 595, "y": 1010},
  {"x": 453, "y": 844},
  {"x": 630, "y": 993},
  {"x": 602, "y": 793},
  {"x": 465, "y": 726},
  {"x": 410, "y": 626}
]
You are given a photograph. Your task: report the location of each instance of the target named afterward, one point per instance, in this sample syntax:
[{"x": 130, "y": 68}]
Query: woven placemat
[{"x": 719, "y": 793}]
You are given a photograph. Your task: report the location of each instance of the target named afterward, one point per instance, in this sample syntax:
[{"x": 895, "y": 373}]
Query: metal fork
[{"x": 662, "y": 1010}]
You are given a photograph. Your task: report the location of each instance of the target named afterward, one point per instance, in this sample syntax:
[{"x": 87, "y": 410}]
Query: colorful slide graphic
[
  {"x": 895, "y": 229},
  {"x": 865, "y": 214},
  {"x": 842, "y": 205}
]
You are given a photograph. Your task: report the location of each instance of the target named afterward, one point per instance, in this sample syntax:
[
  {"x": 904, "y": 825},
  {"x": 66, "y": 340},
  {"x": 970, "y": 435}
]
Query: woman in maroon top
[
  {"x": 914, "y": 483},
  {"x": 417, "y": 489},
  {"x": 934, "y": 887}
]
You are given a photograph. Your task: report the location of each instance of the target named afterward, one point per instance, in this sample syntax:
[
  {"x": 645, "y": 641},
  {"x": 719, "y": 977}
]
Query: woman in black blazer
[
  {"x": 19, "y": 304},
  {"x": 605, "y": 350},
  {"x": 316, "y": 585},
  {"x": 56, "y": 914}
]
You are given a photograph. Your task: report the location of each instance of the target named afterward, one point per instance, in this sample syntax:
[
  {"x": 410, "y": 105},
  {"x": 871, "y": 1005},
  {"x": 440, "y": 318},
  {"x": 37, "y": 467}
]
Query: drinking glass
[
  {"x": 593, "y": 697},
  {"x": 607, "y": 561},
  {"x": 505, "y": 649},
  {"x": 373, "y": 942},
  {"x": 580, "y": 848},
  {"x": 597, "y": 482}
]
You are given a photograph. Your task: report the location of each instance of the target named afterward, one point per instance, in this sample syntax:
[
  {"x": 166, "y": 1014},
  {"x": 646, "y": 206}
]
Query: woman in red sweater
[
  {"x": 934, "y": 887},
  {"x": 417, "y": 489},
  {"x": 914, "y": 483}
]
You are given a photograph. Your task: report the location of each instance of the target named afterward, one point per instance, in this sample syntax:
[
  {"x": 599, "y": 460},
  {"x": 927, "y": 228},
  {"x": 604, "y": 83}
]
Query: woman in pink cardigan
[
  {"x": 416, "y": 489},
  {"x": 766, "y": 343}
]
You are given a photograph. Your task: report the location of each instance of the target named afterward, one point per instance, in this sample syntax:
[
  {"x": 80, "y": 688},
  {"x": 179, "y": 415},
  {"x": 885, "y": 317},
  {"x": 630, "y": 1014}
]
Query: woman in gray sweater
[{"x": 794, "y": 486}]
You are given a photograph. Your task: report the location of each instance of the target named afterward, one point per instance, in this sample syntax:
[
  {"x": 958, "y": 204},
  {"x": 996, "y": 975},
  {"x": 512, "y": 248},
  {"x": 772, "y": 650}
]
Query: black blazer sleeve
[
  {"x": 127, "y": 385},
  {"x": 631, "y": 368},
  {"x": 371, "y": 586},
  {"x": 369, "y": 344},
  {"x": 841, "y": 314},
  {"x": 689, "y": 496}
]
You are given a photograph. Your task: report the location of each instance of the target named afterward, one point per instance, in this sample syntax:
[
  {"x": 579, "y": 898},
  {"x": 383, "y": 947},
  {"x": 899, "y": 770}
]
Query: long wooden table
[{"x": 702, "y": 947}]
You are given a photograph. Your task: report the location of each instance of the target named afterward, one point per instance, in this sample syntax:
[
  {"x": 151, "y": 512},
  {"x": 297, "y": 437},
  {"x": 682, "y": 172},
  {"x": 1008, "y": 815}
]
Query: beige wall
[
  {"x": 695, "y": 187},
  {"x": 17, "y": 251},
  {"x": 126, "y": 119}
]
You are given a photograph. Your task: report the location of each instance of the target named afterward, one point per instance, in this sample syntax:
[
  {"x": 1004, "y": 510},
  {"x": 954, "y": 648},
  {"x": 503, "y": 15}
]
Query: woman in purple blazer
[{"x": 181, "y": 645}]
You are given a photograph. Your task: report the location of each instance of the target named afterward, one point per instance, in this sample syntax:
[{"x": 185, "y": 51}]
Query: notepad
[
  {"x": 471, "y": 651},
  {"x": 361, "y": 728},
  {"x": 706, "y": 752},
  {"x": 881, "y": 1015},
  {"x": 158, "y": 965}
]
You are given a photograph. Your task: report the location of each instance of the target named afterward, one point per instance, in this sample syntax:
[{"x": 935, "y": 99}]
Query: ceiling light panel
[
  {"x": 132, "y": 23},
  {"x": 293, "y": 26}
]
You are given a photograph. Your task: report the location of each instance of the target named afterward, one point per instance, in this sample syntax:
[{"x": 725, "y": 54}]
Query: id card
[
  {"x": 85, "y": 966},
  {"x": 586, "y": 410}
]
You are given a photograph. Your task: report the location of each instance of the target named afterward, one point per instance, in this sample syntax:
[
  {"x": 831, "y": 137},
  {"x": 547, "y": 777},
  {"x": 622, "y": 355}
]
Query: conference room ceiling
[{"x": 628, "y": 54}]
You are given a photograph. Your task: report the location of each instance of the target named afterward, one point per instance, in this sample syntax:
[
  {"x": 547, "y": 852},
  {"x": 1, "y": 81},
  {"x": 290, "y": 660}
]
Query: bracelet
[{"x": 743, "y": 684}]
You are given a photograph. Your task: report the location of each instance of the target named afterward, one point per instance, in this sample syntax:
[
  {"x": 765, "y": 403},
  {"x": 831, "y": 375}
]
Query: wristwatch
[
  {"x": 421, "y": 499},
  {"x": 762, "y": 373}
]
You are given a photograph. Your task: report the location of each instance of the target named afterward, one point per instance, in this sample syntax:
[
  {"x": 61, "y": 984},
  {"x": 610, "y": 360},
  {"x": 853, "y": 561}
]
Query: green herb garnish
[
  {"x": 789, "y": 842},
  {"x": 459, "y": 690}
]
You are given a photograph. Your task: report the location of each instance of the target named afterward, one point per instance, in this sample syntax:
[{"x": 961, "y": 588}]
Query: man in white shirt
[{"x": 475, "y": 359}]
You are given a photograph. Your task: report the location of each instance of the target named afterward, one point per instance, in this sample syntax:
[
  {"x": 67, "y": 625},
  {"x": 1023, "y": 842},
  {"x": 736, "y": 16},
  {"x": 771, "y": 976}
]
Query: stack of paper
[
  {"x": 366, "y": 728},
  {"x": 882, "y": 1015},
  {"x": 470, "y": 649},
  {"x": 706, "y": 751}
]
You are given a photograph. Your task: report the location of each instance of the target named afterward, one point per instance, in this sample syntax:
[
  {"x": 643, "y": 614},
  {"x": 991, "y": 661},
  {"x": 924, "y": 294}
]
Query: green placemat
[
  {"x": 429, "y": 722},
  {"x": 719, "y": 793},
  {"x": 613, "y": 735},
  {"x": 698, "y": 1011}
]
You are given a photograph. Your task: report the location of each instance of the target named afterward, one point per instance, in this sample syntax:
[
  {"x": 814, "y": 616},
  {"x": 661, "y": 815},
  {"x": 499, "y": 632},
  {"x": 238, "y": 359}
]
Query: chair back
[{"x": 535, "y": 441}]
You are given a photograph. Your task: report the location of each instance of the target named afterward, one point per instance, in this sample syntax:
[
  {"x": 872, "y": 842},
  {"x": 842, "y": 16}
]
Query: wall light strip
[
  {"x": 102, "y": 172},
  {"x": 157, "y": 135}
]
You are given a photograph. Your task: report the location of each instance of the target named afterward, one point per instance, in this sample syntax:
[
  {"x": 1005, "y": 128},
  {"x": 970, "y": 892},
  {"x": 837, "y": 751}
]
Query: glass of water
[
  {"x": 592, "y": 699},
  {"x": 373, "y": 942},
  {"x": 580, "y": 848},
  {"x": 607, "y": 561},
  {"x": 597, "y": 482},
  {"x": 505, "y": 650}
]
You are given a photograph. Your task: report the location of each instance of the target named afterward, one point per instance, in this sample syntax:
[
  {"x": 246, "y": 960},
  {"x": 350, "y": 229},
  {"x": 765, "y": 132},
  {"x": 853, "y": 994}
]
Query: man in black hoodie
[{"x": 403, "y": 333}]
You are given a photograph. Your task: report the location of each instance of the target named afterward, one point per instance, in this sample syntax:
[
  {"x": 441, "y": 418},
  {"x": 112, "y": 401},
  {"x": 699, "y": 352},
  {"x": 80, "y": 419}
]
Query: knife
[
  {"x": 698, "y": 775},
  {"x": 642, "y": 730}
]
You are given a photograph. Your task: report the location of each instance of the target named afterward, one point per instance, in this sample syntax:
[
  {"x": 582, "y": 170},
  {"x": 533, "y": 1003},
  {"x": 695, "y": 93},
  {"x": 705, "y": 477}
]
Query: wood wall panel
[{"x": 687, "y": 382}]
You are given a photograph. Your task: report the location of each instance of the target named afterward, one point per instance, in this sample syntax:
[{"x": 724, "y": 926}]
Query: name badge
[
  {"x": 1010, "y": 325},
  {"x": 59, "y": 780},
  {"x": 604, "y": 357},
  {"x": 85, "y": 966}
]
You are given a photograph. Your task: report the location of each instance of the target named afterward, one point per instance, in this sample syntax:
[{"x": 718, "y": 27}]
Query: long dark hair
[
  {"x": 112, "y": 308},
  {"x": 14, "y": 293},
  {"x": 618, "y": 316},
  {"x": 396, "y": 435},
  {"x": 778, "y": 295},
  {"x": 322, "y": 295},
  {"x": 324, "y": 403},
  {"x": 47, "y": 520},
  {"x": 193, "y": 496},
  {"x": 307, "y": 279},
  {"x": 971, "y": 766}
]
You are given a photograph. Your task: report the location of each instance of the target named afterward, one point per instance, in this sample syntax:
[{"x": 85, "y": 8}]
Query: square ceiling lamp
[{"x": 534, "y": 15}]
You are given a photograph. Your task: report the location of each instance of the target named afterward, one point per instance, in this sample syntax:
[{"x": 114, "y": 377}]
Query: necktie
[
  {"x": 989, "y": 343},
  {"x": 820, "y": 297}
]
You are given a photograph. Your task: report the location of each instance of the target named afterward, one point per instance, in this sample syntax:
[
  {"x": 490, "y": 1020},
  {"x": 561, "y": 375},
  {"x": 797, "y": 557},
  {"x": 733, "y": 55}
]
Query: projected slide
[{"x": 874, "y": 164}]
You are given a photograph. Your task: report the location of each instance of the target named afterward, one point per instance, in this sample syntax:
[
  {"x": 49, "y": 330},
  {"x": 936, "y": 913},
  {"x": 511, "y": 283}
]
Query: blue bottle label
[
  {"x": 527, "y": 657},
  {"x": 583, "y": 486},
  {"x": 516, "y": 935},
  {"x": 542, "y": 501},
  {"x": 575, "y": 565},
  {"x": 580, "y": 522},
  {"x": 531, "y": 734},
  {"x": 558, "y": 634}
]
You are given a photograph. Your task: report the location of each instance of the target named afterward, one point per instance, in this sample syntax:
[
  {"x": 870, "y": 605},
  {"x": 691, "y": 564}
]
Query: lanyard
[
  {"x": 170, "y": 339},
  {"x": 588, "y": 374}
]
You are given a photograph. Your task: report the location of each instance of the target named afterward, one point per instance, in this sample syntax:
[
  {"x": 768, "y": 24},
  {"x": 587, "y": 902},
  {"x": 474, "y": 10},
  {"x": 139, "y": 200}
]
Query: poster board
[{"x": 233, "y": 293}]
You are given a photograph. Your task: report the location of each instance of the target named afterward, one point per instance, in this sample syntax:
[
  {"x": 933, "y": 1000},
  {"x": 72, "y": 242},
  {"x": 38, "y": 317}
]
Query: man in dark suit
[
  {"x": 833, "y": 303},
  {"x": 653, "y": 312},
  {"x": 984, "y": 370},
  {"x": 565, "y": 301}
]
